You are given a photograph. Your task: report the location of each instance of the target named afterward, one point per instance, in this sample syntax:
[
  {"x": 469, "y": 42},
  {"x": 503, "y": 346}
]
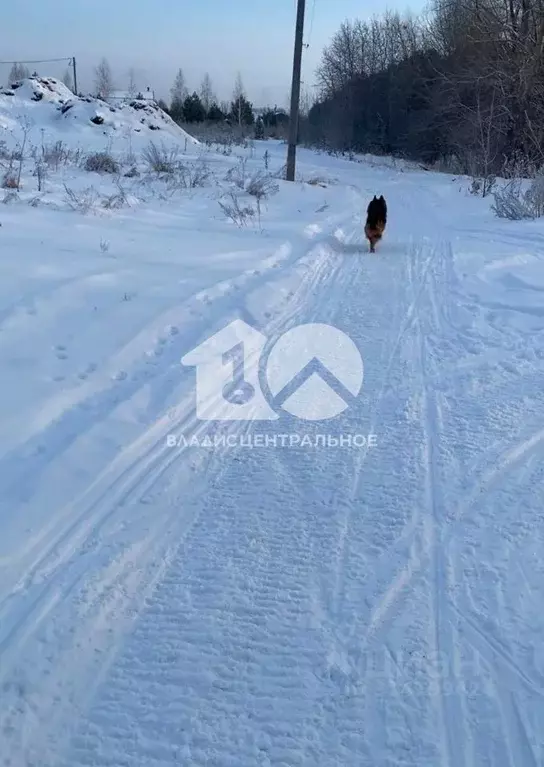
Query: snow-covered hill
[{"x": 51, "y": 107}]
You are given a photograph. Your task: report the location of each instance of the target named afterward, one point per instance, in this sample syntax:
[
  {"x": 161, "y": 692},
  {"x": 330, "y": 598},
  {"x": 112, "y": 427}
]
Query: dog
[{"x": 376, "y": 220}]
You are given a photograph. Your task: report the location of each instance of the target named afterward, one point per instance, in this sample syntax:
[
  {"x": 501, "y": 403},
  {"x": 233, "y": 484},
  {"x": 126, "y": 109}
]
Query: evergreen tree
[
  {"x": 259, "y": 129},
  {"x": 178, "y": 94},
  {"x": 215, "y": 113},
  {"x": 241, "y": 111},
  {"x": 193, "y": 110},
  {"x": 270, "y": 118}
]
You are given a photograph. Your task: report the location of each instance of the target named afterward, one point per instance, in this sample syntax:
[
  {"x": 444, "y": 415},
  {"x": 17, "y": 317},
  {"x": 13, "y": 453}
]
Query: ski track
[
  {"x": 363, "y": 609},
  {"x": 455, "y": 740},
  {"x": 250, "y": 583},
  {"x": 59, "y": 575}
]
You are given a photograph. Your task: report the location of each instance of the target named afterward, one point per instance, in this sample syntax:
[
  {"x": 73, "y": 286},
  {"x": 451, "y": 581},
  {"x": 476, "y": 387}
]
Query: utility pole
[
  {"x": 295, "y": 92},
  {"x": 75, "y": 74}
]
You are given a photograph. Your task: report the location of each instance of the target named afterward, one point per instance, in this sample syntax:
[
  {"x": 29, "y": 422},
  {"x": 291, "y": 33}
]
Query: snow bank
[{"x": 49, "y": 105}]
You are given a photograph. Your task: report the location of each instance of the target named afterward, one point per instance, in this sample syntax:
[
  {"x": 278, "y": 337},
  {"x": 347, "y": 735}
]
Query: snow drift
[{"x": 51, "y": 106}]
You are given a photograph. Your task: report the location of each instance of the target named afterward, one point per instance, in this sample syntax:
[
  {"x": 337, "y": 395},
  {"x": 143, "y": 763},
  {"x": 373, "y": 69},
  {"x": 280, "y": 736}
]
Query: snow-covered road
[{"x": 291, "y": 603}]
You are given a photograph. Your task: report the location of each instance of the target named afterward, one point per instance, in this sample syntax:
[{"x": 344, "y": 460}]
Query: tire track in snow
[
  {"x": 400, "y": 582},
  {"x": 502, "y": 664},
  {"x": 496, "y": 474},
  {"x": 407, "y": 320},
  {"x": 517, "y": 743},
  {"x": 491, "y": 649},
  {"x": 455, "y": 737},
  {"x": 427, "y": 524}
]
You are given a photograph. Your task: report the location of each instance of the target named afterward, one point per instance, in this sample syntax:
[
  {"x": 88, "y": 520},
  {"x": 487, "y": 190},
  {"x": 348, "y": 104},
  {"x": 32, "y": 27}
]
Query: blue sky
[{"x": 156, "y": 37}]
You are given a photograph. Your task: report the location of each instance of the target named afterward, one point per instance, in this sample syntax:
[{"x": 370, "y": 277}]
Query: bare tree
[
  {"x": 179, "y": 90},
  {"x": 206, "y": 92},
  {"x": 104, "y": 80},
  {"x": 238, "y": 94},
  {"x": 306, "y": 102},
  {"x": 67, "y": 79},
  {"x": 18, "y": 72},
  {"x": 132, "y": 89},
  {"x": 239, "y": 89}
]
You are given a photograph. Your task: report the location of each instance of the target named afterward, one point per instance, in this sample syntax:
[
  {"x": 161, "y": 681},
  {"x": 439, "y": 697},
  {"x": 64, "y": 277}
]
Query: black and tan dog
[{"x": 376, "y": 220}]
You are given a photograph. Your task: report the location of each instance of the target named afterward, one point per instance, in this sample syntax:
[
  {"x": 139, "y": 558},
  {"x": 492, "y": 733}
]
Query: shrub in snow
[
  {"x": 117, "y": 200},
  {"x": 195, "y": 175},
  {"x": 10, "y": 197},
  {"x": 259, "y": 185},
  {"x": 262, "y": 185},
  {"x": 10, "y": 181},
  {"x": 55, "y": 155},
  {"x": 160, "y": 160},
  {"x": 319, "y": 181},
  {"x": 482, "y": 186},
  {"x": 510, "y": 203},
  {"x": 237, "y": 175},
  {"x": 534, "y": 196},
  {"x": 237, "y": 213},
  {"x": 101, "y": 162},
  {"x": 82, "y": 202}
]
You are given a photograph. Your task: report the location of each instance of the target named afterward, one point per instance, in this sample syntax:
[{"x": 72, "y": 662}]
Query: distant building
[{"x": 124, "y": 97}]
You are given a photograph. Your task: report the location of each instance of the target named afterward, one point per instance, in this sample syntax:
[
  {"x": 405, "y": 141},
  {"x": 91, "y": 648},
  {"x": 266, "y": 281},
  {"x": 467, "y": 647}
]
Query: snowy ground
[{"x": 282, "y": 604}]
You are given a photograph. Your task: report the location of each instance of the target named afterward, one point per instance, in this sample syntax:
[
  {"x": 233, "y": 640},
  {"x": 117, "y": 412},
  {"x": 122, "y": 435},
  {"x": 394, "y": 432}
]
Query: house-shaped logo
[
  {"x": 227, "y": 375},
  {"x": 313, "y": 372}
]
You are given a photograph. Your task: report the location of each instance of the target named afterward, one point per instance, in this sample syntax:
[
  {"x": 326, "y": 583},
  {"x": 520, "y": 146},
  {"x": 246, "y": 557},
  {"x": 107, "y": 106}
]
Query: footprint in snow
[
  {"x": 120, "y": 376},
  {"x": 88, "y": 370}
]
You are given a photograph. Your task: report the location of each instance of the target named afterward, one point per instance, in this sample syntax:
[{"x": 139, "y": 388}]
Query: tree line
[
  {"x": 460, "y": 86},
  {"x": 185, "y": 106}
]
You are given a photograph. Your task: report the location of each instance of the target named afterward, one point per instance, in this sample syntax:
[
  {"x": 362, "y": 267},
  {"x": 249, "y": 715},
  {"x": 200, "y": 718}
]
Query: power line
[
  {"x": 37, "y": 61},
  {"x": 312, "y": 17}
]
